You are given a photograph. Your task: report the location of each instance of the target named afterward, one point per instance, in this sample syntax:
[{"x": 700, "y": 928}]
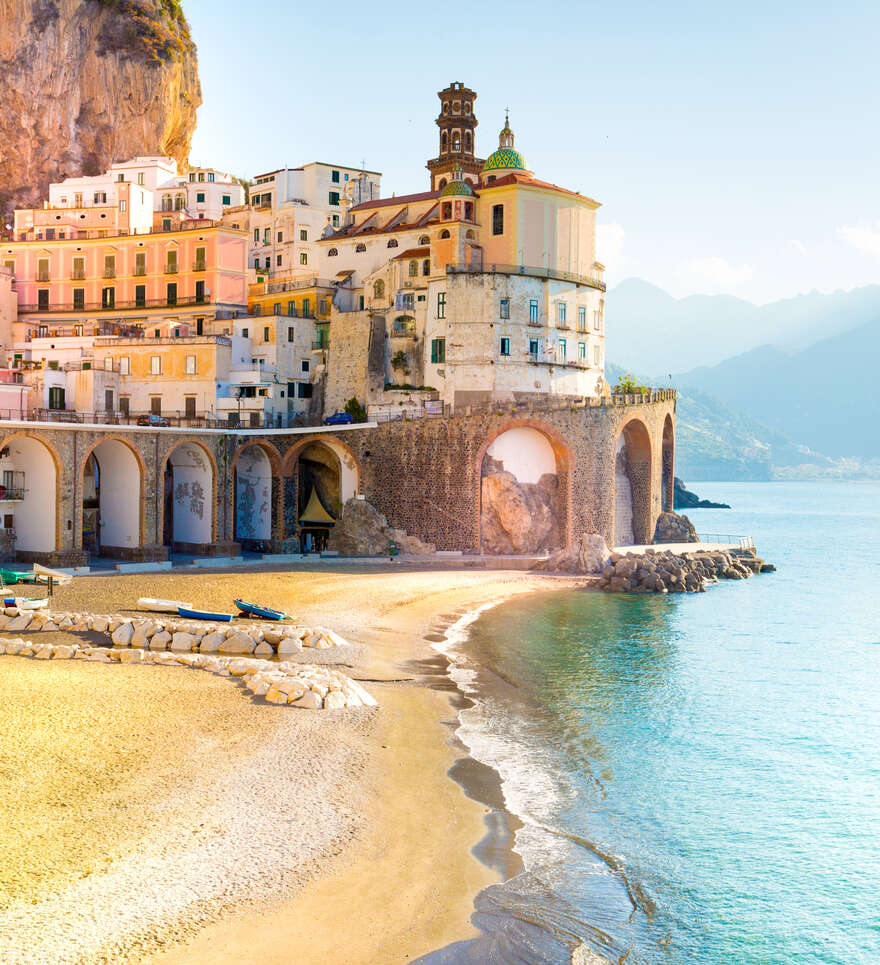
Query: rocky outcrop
[
  {"x": 363, "y": 531},
  {"x": 519, "y": 517},
  {"x": 84, "y": 83},
  {"x": 588, "y": 555},
  {"x": 672, "y": 528},
  {"x": 683, "y": 498},
  {"x": 662, "y": 571}
]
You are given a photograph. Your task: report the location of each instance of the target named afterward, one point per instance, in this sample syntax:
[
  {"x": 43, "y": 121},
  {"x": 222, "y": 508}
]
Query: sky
[{"x": 734, "y": 147}]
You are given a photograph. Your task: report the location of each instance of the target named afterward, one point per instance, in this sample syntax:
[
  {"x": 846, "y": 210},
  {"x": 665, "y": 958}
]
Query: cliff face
[{"x": 84, "y": 83}]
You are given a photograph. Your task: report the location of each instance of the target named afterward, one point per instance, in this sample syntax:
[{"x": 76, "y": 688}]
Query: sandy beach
[{"x": 158, "y": 814}]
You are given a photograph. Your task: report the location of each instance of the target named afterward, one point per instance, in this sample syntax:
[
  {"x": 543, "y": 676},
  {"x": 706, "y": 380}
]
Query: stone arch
[
  {"x": 328, "y": 466},
  {"x": 667, "y": 465},
  {"x": 632, "y": 485},
  {"x": 523, "y": 477},
  {"x": 35, "y": 508},
  {"x": 111, "y": 475},
  {"x": 256, "y": 475},
  {"x": 189, "y": 479}
]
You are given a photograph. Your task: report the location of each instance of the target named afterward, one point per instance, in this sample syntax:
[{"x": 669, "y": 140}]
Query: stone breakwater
[
  {"x": 662, "y": 571},
  {"x": 216, "y": 648}
]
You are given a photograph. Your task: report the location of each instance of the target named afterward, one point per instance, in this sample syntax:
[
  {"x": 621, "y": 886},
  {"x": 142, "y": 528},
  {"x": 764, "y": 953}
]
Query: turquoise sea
[{"x": 698, "y": 777}]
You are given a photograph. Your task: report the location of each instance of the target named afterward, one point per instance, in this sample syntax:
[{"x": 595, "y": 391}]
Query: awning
[{"x": 314, "y": 513}]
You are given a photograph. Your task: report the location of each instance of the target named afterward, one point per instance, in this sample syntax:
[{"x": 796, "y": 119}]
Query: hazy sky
[{"x": 734, "y": 147}]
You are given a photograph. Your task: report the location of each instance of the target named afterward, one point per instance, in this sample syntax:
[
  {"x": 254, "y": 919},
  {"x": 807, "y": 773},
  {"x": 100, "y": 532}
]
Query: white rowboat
[
  {"x": 162, "y": 606},
  {"x": 58, "y": 578}
]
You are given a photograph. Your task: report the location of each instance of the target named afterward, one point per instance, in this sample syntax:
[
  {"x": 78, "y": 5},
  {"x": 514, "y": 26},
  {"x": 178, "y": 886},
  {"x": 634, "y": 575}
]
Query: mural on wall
[
  {"x": 521, "y": 504},
  {"x": 191, "y": 491},
  {"x": 253, "y": 495}
]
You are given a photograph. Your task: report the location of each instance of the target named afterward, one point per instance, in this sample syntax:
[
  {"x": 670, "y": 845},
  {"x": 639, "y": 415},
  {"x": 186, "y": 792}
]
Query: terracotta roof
[
  {"x": 400, "y": 199},
  {"x": 534, "y": 182},
  {"x": 414, "y": 253}
]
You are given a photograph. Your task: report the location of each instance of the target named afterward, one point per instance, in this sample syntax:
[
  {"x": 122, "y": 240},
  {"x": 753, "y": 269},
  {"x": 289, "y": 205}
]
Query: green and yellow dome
[
  {"x": 506, "y": 158},
  {"x": 457, "y": 188}
]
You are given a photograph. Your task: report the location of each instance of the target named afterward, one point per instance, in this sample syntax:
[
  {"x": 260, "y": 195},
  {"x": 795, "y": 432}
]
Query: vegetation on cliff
[{"x": 152, "y": 30}]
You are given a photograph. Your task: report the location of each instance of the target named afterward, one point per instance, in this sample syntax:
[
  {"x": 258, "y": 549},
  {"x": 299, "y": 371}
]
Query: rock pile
[
  {"x": 363, "y": 531},
  {"x": 662, "y": 571},
  {"x": 299, "y": 685},
  {"x": 588, "y": 555},
  {"x": 262, "y": 640},
  {"x": 673, "y": 528}
]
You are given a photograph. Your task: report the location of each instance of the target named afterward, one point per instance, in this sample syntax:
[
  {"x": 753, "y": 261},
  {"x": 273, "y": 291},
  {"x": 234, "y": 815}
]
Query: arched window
[
  {"x": 361, "y": 247},
  {"x": 447, "y": 210},
  {"x": 456, "y": 140},
  {"x": 166, "y": 202},
  {"x": 442, "y": 184},
  {"x": 443, "y": 143},
  {"x": 378, "y": 289},
  {"x": 445, "y": 107},
  {"x": 424, "y": 240},
  {"x": 469, "y": 211},
  {"x": 468, "y": 141},
  {"x": 333, "y": 252},
  {"x": 470, "y": 235},
  {"x": 445, "y": 234},
  {"x": 179, "y": 202},
  {"x": 413, "y": 269},
  {"x": 426, "y": 266},
  {"x": 392, "y": 243},
  {"x": 491, "y": 178}
]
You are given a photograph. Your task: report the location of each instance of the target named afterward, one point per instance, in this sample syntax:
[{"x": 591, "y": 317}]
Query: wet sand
[{"x": 364, "y": 856}]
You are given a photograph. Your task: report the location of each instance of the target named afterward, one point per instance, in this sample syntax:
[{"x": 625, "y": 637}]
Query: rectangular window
[
  {"x": 562, "y": 350},
  {"x": 497, "y": 219},
  {"x": 267, "y": 237},
  {"x": 596, "y": 355},
  {"x": 109, "y": 266},
  {"x": 324, "y": 306},
  {"x": 122, "y": 205},
  {"x": 140, "y": 296},
  {"x": 256, "y": 236},
  {"x": 156, "y": 404},
  {"x": 108, "y": 297},
  {"x": 10, "y": 266},
  {"x": 77, "y": 331},
  {"x": 140, "y": 263},
  {"x": 201, "y": 175},
  {"x": 171, "y": 261},
  {"x": 124, "y": 402},
  {"x": 582, "y": 350},
  {"x": 597, "y": 320},
  {"x": 334, "y": 177},
  {"x": 303, "y": 258},
  {"x": 166, "y": 224},
  {"x": 334, "y": 198},
  {"x": 279, "y": 237},
  {"x": 438, "y": 351},
  {"x": 79, "y": 299},
  {"x": 125, "y": 365},
  {"x": 232, "y": 419},
  {"x": 200, "y": 197},
  {"x": 200, "y": 292},
  {"x": 190, "y": 365},
  {"x": 304, "y": 365},
  {"x": 291, "y": 308},
  {"x": 189, "y": 403},
  {"x": 278, "y": 261},
  {"x": 303, "y": 234},
  {"x": 171, "y": 292},
  {"x": 505, "y": 346},
  {"x": 441, "y": 304},
  {"x": 533, "y": 311},
  {"x": 290, "y": 334},
  {"x": 56, "y": 397},
  {"x": 155, "y": 365},
  {"x": 108, "y": 364},
  {"x": 140, "y": 177},
  {"x": 108, "y": 400},
  {"x": 210, "y": 175},
  {"x": 200, "y": 326},
  {"x": 582, "y": 318},
  {"x": 244, "y": 333},
  {"x": 560, "y": 313},
  {"x": 505, "y": 308},
  {"x": 533, "y": 348},
  {"x": 266, "y": 328},
  {"x": 227, "y": 199},
  {"x": 201, "y": 260},
  {"x": 307, "y": 308},
  {"x": 304, "y": 390}
]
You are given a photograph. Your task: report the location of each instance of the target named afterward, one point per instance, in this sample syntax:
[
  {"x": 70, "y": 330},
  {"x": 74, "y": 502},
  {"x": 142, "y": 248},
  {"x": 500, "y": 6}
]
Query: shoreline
[{"x": 376, "y": 894}]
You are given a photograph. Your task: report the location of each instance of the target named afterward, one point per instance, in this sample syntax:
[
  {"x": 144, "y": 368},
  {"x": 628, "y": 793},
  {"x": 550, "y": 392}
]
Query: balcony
[
  {"x": 12, "y": 488},
  {"x": 118, "y": 306},
  {"x": 140, "y": 270},
  {"x": 171, "y": 269},
  {"x": 42, "y": 276},
  {"x": 109, "y": 272},
  {"x": 78, "y": 274},
  {"x": 590, "y": 281},
  {"x": 199, "y": 266},
  {"x": 320, "y": 344}
]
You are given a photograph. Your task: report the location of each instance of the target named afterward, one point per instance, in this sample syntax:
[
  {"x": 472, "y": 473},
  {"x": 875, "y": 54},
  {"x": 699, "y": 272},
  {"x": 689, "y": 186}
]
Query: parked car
[
  {"x": 154, "y": 421},
  {"x": 339, "y": 419}
]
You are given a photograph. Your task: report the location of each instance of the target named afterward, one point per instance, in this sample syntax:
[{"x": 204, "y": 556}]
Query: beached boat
[
  {"x": 203, "y": 615},
  {"x": 43, "y": 574},
  {"x": 26, "y": 603},
  {"x": 264, "y": 612},
  {"x": 162, "y": 606},
  {"x": 11, "y": 577}
]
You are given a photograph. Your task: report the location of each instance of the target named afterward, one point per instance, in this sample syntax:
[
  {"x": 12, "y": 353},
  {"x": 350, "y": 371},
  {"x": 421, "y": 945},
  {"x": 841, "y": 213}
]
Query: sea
[{"x": 691, "y": 778}]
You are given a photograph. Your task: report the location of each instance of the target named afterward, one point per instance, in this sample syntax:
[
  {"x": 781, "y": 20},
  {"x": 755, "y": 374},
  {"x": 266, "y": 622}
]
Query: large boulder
[
  {"x": 362, "y": 530},
  {"x": 672, "y": 528},
  {"x": 518, "y": 517},
  {"x": 588, "y": 555}
]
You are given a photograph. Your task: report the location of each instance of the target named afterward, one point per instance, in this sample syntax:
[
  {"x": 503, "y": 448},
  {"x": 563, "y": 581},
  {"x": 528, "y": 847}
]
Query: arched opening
[
  {"x": 253, "y": 494},
  {"x": 444, "y": 234},
  {"x": 189, "y": 497},
  {"x": 324, "y": 476},
  {"x": 442, "y": 184},
  {"x": 523, "y": 484},
  {"x": 632, "y": 486},
  {"x": 668, "y": 465},
  {"x": 28, "y": 496},
  {"x": 447, "y": 210},
  {"x": 111, "y": 500}
]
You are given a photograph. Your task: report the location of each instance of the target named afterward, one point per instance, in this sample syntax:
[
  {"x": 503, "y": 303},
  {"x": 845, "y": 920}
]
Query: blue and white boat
[
  {"x": 263, "y": 612},
  {"x": 204, "y": 615}
]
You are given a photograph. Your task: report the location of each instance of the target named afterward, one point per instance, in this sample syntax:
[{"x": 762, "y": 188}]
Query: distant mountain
[
  {"x": 823, "y": 397},
  {"x": 655, "y": 332}
]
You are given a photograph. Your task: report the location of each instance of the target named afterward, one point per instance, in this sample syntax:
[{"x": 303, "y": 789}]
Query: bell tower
[{"x": 457, "y": 124}]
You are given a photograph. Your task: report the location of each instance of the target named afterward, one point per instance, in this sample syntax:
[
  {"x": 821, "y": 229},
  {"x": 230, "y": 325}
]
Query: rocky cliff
[{"x": 84, "y": 83}]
